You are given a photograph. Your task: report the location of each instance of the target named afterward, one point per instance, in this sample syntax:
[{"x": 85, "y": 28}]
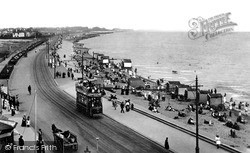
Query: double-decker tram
[{"x": 88, "y": 98}]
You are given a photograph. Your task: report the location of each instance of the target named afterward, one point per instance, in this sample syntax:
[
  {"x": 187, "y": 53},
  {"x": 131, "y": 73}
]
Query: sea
[{"x": 222, "y": 62}]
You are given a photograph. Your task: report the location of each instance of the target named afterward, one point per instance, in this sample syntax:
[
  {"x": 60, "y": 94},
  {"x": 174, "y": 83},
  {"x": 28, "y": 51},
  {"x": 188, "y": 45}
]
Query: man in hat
[
  {"x": 21, "y": 141},
  {"x": 166, "y": 144}
]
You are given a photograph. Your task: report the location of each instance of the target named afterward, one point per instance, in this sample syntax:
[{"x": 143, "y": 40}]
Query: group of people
[
  {"x": 127, "y": 105},
  {"x": 13, "y": 103},
  {"x": 153, "y": 108},
  {"x": 25, "y": 121},
  {"x": 63, "y": 74},
  {"x": 125, "y": 90},
  {"x": 91, "y": 87}
]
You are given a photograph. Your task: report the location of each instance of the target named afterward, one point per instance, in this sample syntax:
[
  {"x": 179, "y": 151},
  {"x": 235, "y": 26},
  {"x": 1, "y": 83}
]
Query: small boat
[{"x": 174, "y": 72}]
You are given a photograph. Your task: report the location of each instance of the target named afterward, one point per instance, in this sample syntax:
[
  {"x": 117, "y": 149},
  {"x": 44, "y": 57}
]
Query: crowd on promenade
[{"x": 10, "y": 102}]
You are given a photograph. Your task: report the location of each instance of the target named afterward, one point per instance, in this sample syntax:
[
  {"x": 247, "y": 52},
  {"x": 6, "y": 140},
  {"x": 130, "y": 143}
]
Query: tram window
[
  {"x": 81, "y": 98},
  {"x": 84, "y": 99},
  {"x": 96, "y": 102}
]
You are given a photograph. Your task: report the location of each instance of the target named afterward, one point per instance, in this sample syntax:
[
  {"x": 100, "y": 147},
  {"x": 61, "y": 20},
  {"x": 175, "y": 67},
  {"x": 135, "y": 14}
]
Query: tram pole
[
  {"x": 97, "y": 147},
  {"x": 48, "y": 51},
  {"x": 197, "y": 149},
  {"x": 8, "y": 87},
  {"x": 35, "y": 120},
  {"x": 54, "y": 64},
  {"x": 82, "y": 66}
]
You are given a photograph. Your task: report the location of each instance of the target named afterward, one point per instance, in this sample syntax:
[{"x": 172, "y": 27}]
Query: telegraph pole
[
  {"x": 197, "y": 149},
  {"x": 54, "y": 64}
]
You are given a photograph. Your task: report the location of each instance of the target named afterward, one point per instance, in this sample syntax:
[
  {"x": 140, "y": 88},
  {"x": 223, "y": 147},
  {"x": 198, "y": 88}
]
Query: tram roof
[{"x": 84, "y": 91}]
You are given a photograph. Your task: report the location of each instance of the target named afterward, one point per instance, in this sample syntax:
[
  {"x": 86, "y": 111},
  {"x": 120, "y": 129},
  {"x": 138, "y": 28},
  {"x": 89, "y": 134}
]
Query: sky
[{"x": 160, "y": 15}]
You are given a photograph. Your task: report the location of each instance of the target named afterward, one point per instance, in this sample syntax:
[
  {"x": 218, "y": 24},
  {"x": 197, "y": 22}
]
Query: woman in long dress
[
  {"x": 28, "y": 122},
  {"x": 24, "y": 121},
  {"x": 217, "y": 141}
]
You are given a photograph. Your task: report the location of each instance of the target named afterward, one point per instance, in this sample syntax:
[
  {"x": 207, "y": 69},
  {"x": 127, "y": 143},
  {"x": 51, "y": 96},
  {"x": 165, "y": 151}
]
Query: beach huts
[
  {"x": 127, "y": 64},
  {"x": 203, "y": 96},
  {"x": 215, "y": 99},
  {"x": 191, "y": 94},
  {"x": 136, "y": 83},
  {"x": 182, "y": 88},
  {"x": 99, "y": 57},
  {"x": 95, "y": 55},
  {"x": 105, "y": 60},
  {"x": 172, "y": 85}
]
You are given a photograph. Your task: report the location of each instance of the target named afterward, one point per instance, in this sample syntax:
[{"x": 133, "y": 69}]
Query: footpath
[{"x": 18, "y": 83}]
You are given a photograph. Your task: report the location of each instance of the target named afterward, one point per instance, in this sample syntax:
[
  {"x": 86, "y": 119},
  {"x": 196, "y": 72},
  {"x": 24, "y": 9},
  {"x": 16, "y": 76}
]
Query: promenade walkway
[{"x": 18, "y": 83}]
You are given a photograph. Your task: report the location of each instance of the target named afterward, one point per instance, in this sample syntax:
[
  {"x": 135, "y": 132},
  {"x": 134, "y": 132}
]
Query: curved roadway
[{"x": 113, "y": 136}]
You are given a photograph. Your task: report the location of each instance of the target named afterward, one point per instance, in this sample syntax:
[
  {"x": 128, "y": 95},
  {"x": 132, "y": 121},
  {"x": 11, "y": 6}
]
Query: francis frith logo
[{"x": 210, "y": 27}]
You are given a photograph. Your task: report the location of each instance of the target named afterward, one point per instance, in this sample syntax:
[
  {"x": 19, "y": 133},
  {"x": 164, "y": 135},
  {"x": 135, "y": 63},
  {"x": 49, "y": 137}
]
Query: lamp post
[
  {"x": 97, "y": 139},
  {"x": 35, "y": 118},
  {"x": 54, "y": 55}
]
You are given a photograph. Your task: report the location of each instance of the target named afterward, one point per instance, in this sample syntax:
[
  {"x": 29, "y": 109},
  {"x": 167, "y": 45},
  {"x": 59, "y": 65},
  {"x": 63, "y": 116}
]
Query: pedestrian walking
[
  {"x": 166, "y": 144},
  {"x": 40, "y": 135},
  {"x": 232, "y": 133},
  {"x": 132, "y": 106},
  {"x": 127, "y": 105},
  {"x": 122, "y": 107},
  {"x": 28, "y": 122},
  {"x": 24, "y": 121},
  {"x": 114, "y": 103},
  {"x": 4, "y": 103},
  {"x": 21, "y": 141},
  {"x": 12, "y": 110},
  {"x": 17, "y": 105},
  {"x": 29, "y": 89},
  {"x": 217, "y": 141},
  {"x": 14, "y": 102},
  {"x": 72, "y": 76}
]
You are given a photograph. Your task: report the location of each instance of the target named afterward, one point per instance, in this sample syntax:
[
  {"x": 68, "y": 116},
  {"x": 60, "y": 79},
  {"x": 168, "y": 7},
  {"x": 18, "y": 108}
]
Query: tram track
[{"x": 116, "y": 137}]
